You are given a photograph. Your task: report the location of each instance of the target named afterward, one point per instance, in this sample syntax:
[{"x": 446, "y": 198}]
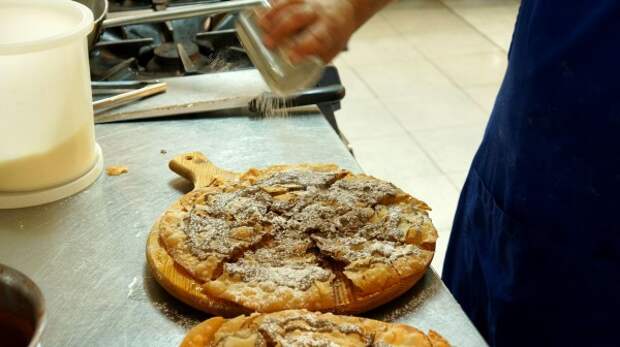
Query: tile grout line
[
  {"x": 480, "y": 103},
  {"x": 415, "y": 140},
  {"x": 363, "y": 80},
  {"x": 452, "y": 127},
  {"x": 458, "y": 189},
  {"x": 454, "y": 12}
]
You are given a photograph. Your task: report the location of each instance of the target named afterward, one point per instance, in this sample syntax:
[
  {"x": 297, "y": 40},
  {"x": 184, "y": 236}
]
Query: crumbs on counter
[
  {"x": 163, "y": 151},
  {"x": 116, "y": 170}
]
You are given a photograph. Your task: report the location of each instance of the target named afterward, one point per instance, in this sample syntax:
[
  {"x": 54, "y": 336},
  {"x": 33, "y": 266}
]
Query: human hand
[{"x": 305, "y": 28}]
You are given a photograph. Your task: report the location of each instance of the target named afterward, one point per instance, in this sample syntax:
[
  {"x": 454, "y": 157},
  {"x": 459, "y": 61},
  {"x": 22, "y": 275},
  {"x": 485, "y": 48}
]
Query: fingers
[
  {"x": 317, "y": 40},
  {"x": 291, "y": 22},
  {"x": 292, "y": 19},
  {"x": 303, "y": 29}
]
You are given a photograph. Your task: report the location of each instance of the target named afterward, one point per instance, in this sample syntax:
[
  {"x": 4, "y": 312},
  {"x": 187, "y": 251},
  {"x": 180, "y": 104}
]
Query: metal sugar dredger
[{"x": 280, "y": 74}]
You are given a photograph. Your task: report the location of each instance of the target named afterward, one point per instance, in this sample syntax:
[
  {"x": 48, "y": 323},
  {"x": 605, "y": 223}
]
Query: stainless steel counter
[{"x": 87, "y": 252}]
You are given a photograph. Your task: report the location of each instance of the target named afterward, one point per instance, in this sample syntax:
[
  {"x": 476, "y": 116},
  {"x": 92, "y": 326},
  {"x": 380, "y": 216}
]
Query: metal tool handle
[
  {"x": 122, "y": 84},
  {"x": 125, "y": 98},
  {"x": 306, "y": 97},
  {"x": 317, "y": 95},
  {"x": 185, "y": 12}
]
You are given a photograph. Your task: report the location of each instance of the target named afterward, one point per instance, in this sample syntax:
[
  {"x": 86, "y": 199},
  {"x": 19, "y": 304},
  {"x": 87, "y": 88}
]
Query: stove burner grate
[{"x": 166, "y": 49}]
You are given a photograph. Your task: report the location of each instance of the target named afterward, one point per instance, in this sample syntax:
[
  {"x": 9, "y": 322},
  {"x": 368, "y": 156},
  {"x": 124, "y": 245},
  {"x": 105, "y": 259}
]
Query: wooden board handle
[
  {"x": 199, "y": 170},
  {"x": 195, "y": 167}
]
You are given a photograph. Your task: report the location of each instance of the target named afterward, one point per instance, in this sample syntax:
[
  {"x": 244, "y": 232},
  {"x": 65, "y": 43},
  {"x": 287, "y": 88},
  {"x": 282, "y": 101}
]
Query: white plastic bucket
[{"x": 47, "y": 143}]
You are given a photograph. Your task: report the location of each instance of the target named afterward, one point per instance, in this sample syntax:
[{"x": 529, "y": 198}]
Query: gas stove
[{"x": 168, "y": 49}]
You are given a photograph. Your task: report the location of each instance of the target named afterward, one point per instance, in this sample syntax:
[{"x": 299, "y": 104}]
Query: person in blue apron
[{"x": 534, "y": 254}]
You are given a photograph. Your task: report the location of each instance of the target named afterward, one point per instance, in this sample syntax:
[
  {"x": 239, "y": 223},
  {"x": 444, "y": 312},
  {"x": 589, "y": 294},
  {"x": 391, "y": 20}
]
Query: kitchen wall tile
[
  {"x": 424, "y": 20},
  {"x": 474, "y": 69},
  {"x": 395, "y": 158},
  {"x": 365, "y": 119},
  {"x": 356, "y": 88},
  {"x": 484, "y": 95},
  {"x": 451, "y": 148},
  {"x": 458, "y": 41},
  {"x": 401, "y": 79},
  {"x": 401, "y": 5},
  {"x": 458, "y": 179},
  {"x": 379, "y": 50},
  {"x": 436, "y": 107},
  {"x": 375, "y": 27}
]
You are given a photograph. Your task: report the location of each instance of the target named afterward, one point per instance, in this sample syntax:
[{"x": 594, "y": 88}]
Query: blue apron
[{"x": 534, "y": 255}]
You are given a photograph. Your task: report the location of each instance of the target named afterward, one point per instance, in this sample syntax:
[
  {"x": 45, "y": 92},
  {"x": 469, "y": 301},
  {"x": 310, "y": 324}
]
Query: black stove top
[{"x": 167, "y": 49}]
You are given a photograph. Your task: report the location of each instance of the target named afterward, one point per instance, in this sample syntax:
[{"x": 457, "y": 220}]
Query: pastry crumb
[
  {"x": 116, "y": 170},
  {"x": 163, "y": 151}
]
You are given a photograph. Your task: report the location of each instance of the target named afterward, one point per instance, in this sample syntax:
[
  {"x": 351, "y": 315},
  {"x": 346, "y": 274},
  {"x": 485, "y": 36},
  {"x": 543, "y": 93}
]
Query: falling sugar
[{"x": 271, "y": 105}]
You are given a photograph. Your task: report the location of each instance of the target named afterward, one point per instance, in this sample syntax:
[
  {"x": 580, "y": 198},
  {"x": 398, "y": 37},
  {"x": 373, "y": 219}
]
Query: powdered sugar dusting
[
  {"x": 306, "y": 329},
  {"x": 286, "y": 228},
  {"x": 293, "y": 276}
]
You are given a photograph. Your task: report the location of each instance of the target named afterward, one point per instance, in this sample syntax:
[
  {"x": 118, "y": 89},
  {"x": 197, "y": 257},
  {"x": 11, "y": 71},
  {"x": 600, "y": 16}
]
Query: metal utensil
[
  {"x": 306, "y": 97},
  {"x": 109, "y": 91},
  {"x": 100, "y": 10},
  {"x": 280, "y": 74},
  {"x": 22, "y": 299},
  {"x": 127, "y": 97},
  {"x": 122, "y": 84},
  {"x": 181, "y": 13}
]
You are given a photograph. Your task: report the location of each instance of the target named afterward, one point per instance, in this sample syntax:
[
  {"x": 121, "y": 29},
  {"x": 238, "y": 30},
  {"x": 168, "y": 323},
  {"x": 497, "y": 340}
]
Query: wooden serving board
[{"x": 178, "y": 282}]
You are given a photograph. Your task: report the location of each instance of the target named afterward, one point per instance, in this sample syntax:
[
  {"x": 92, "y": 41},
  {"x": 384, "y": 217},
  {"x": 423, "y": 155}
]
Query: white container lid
[{"x": 41, "y": 24}]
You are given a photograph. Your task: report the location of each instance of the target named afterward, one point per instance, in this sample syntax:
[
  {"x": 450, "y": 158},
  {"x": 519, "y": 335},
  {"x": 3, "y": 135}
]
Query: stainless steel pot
[
  {"x": 21, "y": 298},
  {"x": 100, "y": 9}
]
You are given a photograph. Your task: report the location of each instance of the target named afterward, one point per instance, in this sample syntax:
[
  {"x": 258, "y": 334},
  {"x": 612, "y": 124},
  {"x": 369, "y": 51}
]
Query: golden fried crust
[
  {"x": 302, "y": 236},
  {"x": 398, "y": 335},
  {"x": 437, "y": 340},
  {"x": 301, "y": 328},
  {"x": 171, "y": 232},
  {"x": 202, "y": 334}
]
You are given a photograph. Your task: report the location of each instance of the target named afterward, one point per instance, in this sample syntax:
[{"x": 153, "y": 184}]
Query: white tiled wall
[{"x": 421, "y": 79}]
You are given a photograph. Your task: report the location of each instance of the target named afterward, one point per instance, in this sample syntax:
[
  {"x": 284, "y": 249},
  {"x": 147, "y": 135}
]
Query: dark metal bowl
[{"x": 20, "y": 297}]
